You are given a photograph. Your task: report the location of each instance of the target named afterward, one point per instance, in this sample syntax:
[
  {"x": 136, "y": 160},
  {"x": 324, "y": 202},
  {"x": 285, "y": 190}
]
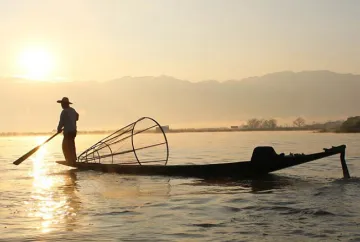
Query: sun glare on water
[
  {"x": 49, "y": 204},
  {"x": 36, "y": 64}
]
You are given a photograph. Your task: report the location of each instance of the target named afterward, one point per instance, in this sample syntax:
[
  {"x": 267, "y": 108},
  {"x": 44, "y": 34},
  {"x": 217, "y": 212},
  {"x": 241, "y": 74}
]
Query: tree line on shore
[
  {"x": 352, "y": 124},
  {"x": 255, "y": 123}
]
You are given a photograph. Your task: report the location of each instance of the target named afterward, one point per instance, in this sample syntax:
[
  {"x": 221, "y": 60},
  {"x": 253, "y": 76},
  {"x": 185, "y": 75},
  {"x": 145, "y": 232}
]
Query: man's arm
[{"x": 61, "y": 122}]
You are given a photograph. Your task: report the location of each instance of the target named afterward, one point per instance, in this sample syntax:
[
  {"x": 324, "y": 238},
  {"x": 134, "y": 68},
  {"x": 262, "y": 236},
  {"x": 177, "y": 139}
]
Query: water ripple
[{"x": 42, "y": 201}]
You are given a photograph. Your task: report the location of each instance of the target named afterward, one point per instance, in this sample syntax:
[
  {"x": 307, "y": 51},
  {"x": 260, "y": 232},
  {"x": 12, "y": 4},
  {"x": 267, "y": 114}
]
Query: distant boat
[
  {"x": 165, "y": 129},
  {"x": 123, "y": 153}
]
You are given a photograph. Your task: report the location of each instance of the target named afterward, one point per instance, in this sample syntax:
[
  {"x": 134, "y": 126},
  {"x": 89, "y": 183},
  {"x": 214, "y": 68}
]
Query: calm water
[{"x": 43, "y": 201}]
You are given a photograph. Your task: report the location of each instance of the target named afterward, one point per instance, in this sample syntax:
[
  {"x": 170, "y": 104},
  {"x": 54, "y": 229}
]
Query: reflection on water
[
  {"x": 260, "y": 184},
  {"x": 53, "y": 198},
  {"x": 133, "y": 189}
]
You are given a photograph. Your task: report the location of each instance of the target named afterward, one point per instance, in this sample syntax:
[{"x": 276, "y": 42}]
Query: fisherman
[{"x": 67, "y": 124}]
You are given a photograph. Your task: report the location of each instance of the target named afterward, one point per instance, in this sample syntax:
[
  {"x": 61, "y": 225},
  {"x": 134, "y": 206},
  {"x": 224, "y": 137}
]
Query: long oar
[{"x": 27, "y": 155}]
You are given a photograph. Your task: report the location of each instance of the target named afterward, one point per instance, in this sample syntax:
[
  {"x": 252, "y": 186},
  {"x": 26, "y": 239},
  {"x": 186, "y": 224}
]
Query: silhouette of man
[{"x": 67, "y": 124}]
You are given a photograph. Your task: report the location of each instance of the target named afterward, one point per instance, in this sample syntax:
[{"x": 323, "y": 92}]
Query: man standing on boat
[{"x": 67, "y": 124}]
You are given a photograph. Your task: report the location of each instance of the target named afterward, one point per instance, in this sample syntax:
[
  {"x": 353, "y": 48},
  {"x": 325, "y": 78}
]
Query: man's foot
[{"x": 71, "y": 163}]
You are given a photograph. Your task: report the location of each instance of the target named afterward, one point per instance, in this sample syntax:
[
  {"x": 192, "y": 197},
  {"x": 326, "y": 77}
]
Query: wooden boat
[
  {"x": 264, "y": 160},
  {"x": 141, "y": 148}
]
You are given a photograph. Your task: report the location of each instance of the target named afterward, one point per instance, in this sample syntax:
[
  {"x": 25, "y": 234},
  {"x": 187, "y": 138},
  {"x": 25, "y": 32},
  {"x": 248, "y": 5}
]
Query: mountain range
[{"x": 314, "y": 95}]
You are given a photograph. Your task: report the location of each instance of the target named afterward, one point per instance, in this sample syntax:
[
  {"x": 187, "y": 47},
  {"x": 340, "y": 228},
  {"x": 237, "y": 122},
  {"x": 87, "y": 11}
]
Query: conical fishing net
[{"x": 141, "y": 142}]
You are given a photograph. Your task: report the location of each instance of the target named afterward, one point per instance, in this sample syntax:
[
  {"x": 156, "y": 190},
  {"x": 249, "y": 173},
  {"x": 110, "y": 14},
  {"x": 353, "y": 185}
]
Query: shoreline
[{"x": 187, "y": 130}]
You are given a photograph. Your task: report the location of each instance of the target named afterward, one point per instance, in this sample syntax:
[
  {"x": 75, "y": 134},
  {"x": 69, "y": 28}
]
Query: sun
[{"x": 36, "y": 64}]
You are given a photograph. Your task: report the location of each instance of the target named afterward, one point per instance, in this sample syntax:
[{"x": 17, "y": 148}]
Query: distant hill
[{"x": 314, "y": 95}]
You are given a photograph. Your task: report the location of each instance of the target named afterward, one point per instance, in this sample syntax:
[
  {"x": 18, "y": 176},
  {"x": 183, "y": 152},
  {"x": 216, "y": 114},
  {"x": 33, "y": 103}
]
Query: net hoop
[
  {"x": 105, "y": 150},
  {"x": 162, "y": 131}
]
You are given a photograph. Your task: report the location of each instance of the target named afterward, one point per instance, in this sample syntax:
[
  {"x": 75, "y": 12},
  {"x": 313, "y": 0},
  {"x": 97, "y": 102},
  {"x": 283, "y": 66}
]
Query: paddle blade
[{"x": 27, "y": 155}]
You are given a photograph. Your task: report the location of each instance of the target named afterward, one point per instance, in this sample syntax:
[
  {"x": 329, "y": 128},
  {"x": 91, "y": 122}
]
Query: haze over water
[
  {"x": 43, "y": 201},
  {"x": 186, "y": 63}
]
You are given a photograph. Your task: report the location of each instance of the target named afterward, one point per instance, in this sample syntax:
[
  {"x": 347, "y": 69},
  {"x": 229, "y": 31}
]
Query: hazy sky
[{"x": 188, "y": 39}]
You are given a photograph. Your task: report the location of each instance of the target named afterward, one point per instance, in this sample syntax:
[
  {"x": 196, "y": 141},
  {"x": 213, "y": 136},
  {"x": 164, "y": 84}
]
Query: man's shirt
[{"x": 68, "y": 118}]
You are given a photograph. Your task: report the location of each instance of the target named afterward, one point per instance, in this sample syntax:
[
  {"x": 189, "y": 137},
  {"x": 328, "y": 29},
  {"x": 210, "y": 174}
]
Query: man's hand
[{"x": 59, "y": 130}]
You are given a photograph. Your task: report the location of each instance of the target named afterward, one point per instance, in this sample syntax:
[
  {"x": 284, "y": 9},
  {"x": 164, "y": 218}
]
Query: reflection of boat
[
  {"x": 264, "y": 160},
  {"x": 128, "y": 149},
  {"x": 264, "y": 183}
]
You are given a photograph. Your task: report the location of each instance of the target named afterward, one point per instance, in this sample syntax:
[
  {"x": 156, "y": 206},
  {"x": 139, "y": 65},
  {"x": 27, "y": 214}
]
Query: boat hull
[{"x": 235, "y": 169}]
